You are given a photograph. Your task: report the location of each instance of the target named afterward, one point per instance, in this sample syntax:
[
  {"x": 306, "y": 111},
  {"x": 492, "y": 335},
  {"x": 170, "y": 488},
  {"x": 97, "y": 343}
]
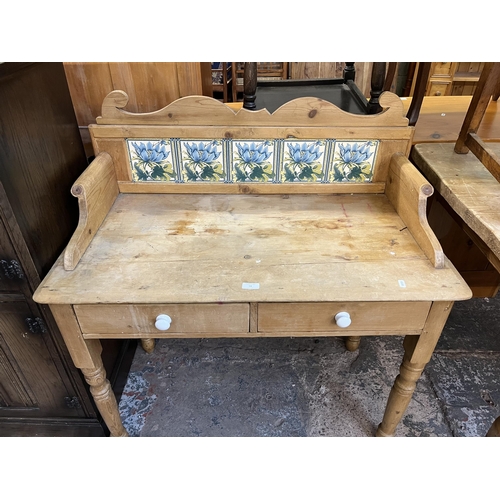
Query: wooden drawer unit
[
  {"x": 363, "y": 316},
  {"x": 441, "y": 78},
  {"x": 138, "y": 321}
]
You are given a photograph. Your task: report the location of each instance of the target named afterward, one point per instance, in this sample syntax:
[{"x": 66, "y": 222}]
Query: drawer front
[
  {"x": 320, "y": 317},
  {"x": 134, "y": 320}
]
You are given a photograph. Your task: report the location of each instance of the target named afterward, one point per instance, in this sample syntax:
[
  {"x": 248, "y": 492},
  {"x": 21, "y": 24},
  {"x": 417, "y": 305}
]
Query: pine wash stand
[{"x": 199, "y": 221}]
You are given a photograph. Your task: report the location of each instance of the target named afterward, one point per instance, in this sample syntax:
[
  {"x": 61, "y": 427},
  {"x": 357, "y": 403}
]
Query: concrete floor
[{"x": 314, "y": 386}]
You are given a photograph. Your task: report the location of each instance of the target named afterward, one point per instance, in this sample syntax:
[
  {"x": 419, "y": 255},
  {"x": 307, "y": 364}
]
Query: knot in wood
[{"x": 313, "y": 113}]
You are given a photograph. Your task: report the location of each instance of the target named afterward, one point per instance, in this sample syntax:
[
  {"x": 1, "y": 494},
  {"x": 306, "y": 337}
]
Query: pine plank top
[
  {"x": 467, "y": 186},
  {"x": 174, "y": 248}
]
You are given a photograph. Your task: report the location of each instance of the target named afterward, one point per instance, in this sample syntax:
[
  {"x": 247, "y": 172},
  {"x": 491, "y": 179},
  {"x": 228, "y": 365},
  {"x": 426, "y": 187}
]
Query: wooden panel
[
  {"x": 297, "y": 247},
  {"x": 251, "y": 188},
  {"x": 301, "y": 112},
  {"x": 150, "y": 86},
  {"x": 194, "y": 78},
  {"x": 38, "y": 384},
  {"x": 41, "y": 155},
  {"x": 138, "y": 320},
  {"x": 89, "y": 83},
  {"x": 312, "y": 317},
  {"x": 311, "y": 70}
]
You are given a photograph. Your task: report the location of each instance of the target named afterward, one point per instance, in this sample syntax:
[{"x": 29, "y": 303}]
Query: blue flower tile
[
  {"x": 151, "y": 160},
  {"x": 303, "y": 161},
  {"x": 353, "y": 161},
  {"x": 202, "y": 161},
  {"x": 252, "y": 161}
]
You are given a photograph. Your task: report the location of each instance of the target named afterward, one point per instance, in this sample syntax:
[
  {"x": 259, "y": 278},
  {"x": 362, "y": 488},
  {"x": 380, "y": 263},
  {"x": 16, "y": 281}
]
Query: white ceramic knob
[
  {"x": 343, "y": 319},
  {"x": 163, "y": 322}
]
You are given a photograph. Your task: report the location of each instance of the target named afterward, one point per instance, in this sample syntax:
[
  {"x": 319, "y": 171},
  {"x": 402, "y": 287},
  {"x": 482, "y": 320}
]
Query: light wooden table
[
  {"x": 251, "y": 259},
  {"x": 466, "y": 187},
  {"x": 441, "y": 119}
]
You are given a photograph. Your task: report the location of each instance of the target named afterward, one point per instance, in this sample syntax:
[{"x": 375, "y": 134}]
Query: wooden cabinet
[
  {"x": 453, "y": 78},
  {"x": 41, "y": 154}
]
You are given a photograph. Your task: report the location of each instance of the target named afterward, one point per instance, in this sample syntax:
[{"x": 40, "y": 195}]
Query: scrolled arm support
[
  {"x": 96, "y": 190},
  {"x": 408, "y": 190}
]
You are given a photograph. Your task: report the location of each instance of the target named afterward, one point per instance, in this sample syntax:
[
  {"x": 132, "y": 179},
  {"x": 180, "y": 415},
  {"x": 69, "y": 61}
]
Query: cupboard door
[{"x": 30, "y": 383}]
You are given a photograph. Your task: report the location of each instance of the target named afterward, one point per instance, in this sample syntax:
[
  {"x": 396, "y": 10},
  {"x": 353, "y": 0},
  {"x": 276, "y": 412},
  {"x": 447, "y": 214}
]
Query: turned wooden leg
[
  {"x": 148, "y": 345},
  {"x": 418, "y": 352},
  {"x": 86, "y": 355},
  {"x": 400, "y": 395},
  {"x": 352, "y": 343},
  {"x": 494, "y": 429},
  {"x": 104, "y": 398}
]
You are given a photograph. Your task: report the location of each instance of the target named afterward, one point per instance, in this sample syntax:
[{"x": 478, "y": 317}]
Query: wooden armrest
[
  {"x": 408, "y": 190},
  {"x": 96, "y": 190}
]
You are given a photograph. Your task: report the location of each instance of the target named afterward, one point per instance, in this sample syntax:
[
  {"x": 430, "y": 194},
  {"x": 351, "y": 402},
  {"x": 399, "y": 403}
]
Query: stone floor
[{"x": 314, "y": 386}]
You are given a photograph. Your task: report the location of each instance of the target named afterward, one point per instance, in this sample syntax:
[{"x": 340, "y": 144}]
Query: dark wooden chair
[
  {"x": 488, "y": 87},
  {"x": 342, "y": 92}
]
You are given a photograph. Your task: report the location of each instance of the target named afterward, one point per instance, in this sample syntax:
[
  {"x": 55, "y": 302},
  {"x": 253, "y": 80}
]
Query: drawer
[
  {"x": 438, "y": 88},
  {"x": 135, "y": 320},
  {"x": 320, "y": 316}
]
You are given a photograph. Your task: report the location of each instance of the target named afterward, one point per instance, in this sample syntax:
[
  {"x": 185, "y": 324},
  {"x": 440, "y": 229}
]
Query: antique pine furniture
[
  {"x": 41, "y": 154},
  {"x": 199, "y": 221}
]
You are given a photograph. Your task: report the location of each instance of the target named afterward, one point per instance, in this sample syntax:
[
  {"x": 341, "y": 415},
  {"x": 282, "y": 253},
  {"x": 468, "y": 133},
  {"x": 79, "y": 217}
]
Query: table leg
[
  {"x": 148, "y": 345},
  {"x": 352, "y": 343},
  {"x": 418, "y": 351},
  {"x": 104, "y": 398},
  {"x": 86, "y": 355}
]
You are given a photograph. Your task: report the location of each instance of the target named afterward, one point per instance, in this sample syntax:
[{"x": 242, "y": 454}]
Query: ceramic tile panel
[{"x": 249, "y": 160}]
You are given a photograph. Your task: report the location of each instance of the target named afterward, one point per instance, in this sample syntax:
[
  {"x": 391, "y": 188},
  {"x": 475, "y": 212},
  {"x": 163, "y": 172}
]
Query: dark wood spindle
[
  {"x": 377, "y": 86},
  {"x": 424, "y": 69},
  {"x": 249, "y": 85},
  {"x": 349, "y": 72}
]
